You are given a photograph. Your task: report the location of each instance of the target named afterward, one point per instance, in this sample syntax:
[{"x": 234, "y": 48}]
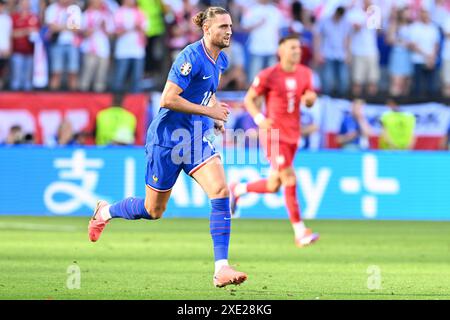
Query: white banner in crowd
[{"x": 432, "y": 119}]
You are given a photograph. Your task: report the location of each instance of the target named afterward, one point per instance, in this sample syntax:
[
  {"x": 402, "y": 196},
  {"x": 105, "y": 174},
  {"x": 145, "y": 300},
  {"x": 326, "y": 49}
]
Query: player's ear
[
  {"x": 279, "y": 51},
  {"x": 206, "y": 28}
]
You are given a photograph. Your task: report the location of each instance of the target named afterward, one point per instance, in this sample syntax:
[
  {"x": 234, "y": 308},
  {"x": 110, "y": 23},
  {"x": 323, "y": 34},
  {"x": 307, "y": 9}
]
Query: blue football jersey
[{"x": 196, "y": 72}]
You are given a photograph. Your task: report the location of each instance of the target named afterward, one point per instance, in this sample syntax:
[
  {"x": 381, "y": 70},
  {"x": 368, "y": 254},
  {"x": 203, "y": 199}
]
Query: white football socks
[
  {"x": 104, "y": 213},
  {"x": 240, "y": 189},
  {"x": 219, "y": 264},
  {"x": 299, "y": 229}
]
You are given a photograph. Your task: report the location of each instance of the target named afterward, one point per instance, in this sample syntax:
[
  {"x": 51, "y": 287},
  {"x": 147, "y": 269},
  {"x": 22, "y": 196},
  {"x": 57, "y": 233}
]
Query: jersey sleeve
[
  {"x": 184, "y": 69},
  {"x": 260, "y": 83}
]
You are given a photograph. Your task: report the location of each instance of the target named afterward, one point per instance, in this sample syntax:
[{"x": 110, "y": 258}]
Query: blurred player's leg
[
  {"x": 211, "y": 178},
  {"x": 285, "y": 176},
  {"x": 303, "y": 235},
  {"x": 150, "y": 208},
  {"x": 270, "y": 185}
]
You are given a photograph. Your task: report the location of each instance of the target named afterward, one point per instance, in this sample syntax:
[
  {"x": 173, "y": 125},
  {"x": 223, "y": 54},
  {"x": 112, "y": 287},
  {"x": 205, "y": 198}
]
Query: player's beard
[
  {"x": 296, "y": 59},
  {"x": 222, "y": 43}
]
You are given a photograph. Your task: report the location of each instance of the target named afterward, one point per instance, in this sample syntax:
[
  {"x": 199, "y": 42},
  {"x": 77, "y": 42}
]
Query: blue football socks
[
  {"x": 130, "y": 209},
  {"x": 220, "y": 225}
]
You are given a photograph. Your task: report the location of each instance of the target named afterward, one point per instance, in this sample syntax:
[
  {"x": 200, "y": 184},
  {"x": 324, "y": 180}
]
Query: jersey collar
[
  {"x": 286, "y": 72},
  {"x": 206, "y": 52}
]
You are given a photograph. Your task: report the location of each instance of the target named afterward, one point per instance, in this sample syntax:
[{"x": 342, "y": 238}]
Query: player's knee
[
  {"x": 220, "y": 191},
  {"x": 273, "y": 187},
  {"x": 155, "y": 211},
  {"x": 289, "y": 180},
  {"x": 288, "y": 177},
  {"x": 273, "y": 184}
]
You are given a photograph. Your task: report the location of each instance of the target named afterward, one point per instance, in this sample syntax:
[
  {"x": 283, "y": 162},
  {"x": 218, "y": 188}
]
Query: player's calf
[{"x": 155, "y": 211}]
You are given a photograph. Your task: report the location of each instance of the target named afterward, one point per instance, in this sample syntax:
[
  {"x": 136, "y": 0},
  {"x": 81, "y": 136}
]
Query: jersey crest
[{"x": 291, "y": 84}]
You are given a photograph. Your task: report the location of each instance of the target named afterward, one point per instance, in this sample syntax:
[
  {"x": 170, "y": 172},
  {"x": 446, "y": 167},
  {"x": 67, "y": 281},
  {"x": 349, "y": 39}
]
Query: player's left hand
[
  {"x": 219, "y": 127},
  {"x": 309, "y": 98}
]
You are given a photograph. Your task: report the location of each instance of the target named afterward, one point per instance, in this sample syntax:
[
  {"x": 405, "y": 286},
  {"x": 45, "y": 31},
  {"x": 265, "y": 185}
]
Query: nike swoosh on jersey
[{"x": 204, "y": 77}]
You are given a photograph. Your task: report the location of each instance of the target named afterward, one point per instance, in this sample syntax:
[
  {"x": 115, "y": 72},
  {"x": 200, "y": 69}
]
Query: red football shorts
[{"x": 280, "y": 157}]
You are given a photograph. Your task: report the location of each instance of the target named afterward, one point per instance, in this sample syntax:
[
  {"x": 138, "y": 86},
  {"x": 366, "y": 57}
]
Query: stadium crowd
[
  {"x": 401, "y": 47},
  {"x": 357, "y": 48}
]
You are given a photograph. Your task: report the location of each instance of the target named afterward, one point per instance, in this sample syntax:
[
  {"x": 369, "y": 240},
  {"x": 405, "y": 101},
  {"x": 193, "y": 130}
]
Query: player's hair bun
[{"x": 200, "y": 18}]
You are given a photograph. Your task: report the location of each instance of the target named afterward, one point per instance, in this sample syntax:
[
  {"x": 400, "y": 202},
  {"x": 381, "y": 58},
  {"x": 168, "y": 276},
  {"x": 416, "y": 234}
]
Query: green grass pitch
[{"x": 172, "y": 259}]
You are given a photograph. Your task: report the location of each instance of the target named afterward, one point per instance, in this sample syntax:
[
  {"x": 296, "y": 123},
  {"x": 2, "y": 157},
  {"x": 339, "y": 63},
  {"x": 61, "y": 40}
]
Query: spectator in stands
[
  {"x": 445, "y": 72},
  {"x": 15, "y": 135},
  {"x": 263, "y": 22},
  {"x": 364, "y": 49},
  {"x": 234, "y": 78},
  {"x": 155, "y": 51},
  {"x": 115, "y": 125},
  {"x": 332, "y": 52},
  {"x": 355, "y": 130},
  {"x": 236, "y": 8},
  {"x": 38, "y": 8},
  {"x": 97, "y": 26},
  {"x": 181, "y": 29},
  {"x": 65, "y": 134},
  {"x": 25, "y": 30},
  {"x": 5, "y": 40},
  {"x": 28, "y": 138},
  {"x": 64, "y": 42},
  {"x": 424, "y": 37},
  {"x": 302, "y": 24},
  {"x": 111, "y": 5},
  {"x": 400, "y": 64},
  {"x": 439, "y": 11},
  {"x": 131, "y": 25},
  {"x": 398, "y": 128},
  {"x": 80, "y": 138}
]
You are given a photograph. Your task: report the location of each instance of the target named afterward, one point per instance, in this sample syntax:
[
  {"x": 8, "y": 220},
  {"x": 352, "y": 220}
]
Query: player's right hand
[{"x": 219, "y": 111}]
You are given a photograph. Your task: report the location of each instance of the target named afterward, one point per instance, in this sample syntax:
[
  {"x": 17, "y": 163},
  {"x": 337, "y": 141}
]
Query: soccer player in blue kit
[{"x": 177, "y": 140}]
